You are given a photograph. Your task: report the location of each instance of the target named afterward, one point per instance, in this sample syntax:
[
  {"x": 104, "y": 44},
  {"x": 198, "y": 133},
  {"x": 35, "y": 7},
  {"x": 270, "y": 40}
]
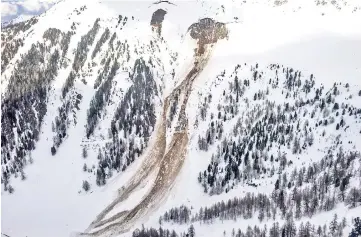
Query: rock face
[
  {"x": 157, "y": 20},
  {"x": 207, "y": 31}
]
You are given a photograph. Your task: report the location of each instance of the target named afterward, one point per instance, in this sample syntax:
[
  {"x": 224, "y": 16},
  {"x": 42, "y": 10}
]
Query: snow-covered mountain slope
[
  {"x": 13, "y": 12},
  {"x": 20, "y": 18},
  {"x": 113, "y": 113}
]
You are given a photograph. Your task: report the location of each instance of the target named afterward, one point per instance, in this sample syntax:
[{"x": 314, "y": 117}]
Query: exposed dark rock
[
  {"x": 207, "y": 31},
  {"x": 158, "y": 16},
  {"x": 157, "y": 20}
]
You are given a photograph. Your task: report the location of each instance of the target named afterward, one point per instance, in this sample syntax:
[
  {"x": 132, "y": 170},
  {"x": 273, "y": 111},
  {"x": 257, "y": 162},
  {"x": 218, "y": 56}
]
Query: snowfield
[{"x": 319, "y": 40}]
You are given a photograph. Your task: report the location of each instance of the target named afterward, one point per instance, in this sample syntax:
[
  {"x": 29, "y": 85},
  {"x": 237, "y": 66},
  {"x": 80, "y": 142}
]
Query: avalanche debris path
[
  {"x": 165, "y": 160},
  {"x": 167, "y": 164}
]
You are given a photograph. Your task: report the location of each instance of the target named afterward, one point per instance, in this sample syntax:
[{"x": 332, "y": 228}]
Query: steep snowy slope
[
  {"x": 100, "y": 67},
  {"x": 315, "y": 47},
  {"x": 328, "y": 52},
  {"x": 112, "y": 115}
]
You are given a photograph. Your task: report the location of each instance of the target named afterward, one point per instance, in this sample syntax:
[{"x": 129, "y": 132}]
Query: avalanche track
[{"x": 167, "y": 161}]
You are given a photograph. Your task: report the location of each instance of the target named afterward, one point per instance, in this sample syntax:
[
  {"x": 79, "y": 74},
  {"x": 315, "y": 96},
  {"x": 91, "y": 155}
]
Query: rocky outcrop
[
  {"x": 207, "y": 31},
  {"x": 157, "y": 20}
]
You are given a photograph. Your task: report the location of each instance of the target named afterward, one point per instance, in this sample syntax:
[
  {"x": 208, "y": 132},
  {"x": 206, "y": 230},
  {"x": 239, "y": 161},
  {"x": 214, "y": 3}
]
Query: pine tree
[
  {"x": 333, "y": 225},
  {"x": 319, "y": 231},
  {"x": 274, "y": 230},
  {"x": 173, "y": 234},
  {"x": 31, "y": 160},
  {"x": 344, "y": 222},
  {"x": 10, "y": 189},
  {"x": 191, "y": 231},
  {"x": 53, "y": 150},
  {"x": 336, "y": 106},
  {"x": 23, "y": 176},
  {"x": 353, "y": 197},
  {"x": 296, "y": 145},
  {"x": 86, "y": 186},
  {"x": 85, "y": 153},
  {"x": 356, "y": 230}
]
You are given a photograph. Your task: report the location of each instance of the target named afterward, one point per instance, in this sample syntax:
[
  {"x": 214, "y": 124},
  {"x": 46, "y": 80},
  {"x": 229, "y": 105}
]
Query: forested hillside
[{"x": 182, "y": 118}]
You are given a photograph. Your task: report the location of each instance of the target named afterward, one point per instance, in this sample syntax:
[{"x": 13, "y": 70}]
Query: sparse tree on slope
[
  {"x": 86, "y": 186},
  {"x": 85, "y": 153},
  {"x": 191, "y": 231},
  {"x": 356, "y": 230}
]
